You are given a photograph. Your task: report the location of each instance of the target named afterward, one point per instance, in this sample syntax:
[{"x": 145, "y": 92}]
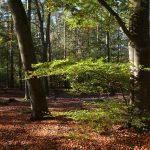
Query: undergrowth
[{"x": 106, "y": 114}]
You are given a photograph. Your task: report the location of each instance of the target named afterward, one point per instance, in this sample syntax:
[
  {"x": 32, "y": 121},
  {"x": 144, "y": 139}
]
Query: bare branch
[{"x": 118, "y": 18}]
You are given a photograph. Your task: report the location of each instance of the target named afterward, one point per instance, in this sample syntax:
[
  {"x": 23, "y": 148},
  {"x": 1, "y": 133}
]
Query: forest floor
[{"x": 17, "y": 132}]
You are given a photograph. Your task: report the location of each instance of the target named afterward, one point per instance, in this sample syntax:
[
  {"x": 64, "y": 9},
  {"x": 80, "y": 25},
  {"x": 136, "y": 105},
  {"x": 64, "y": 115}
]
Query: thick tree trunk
[
  {"x": 38, "y": 101},
  {"x": 139, "y": 53},
  {"x": 139, "y": 50}
]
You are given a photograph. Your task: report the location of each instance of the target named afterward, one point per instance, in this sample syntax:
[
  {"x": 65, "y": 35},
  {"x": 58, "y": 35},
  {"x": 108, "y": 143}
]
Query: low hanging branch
[{"x": 117, "y": 17}]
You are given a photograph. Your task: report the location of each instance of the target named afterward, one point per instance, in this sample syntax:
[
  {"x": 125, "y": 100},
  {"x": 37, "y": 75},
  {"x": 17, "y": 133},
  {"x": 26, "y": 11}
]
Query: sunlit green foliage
[
  {"x": 87, "y": 76},
  {"x": 139, "y": 120},
  {"x": 83, "y": 13},
  {"x": 106, "y": 114}
]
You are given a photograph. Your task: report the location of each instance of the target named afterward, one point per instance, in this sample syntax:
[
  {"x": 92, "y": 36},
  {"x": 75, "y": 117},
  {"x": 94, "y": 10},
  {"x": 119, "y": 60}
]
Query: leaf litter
[{"x": 61, "y": 133}]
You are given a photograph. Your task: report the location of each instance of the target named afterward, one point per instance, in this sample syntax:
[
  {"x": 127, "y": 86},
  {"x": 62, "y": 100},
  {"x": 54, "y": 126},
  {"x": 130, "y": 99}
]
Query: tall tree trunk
[
  {"x": 108, "y": 46},
  {"x": 8, "y": 58},
  {"x": 11, "y": 55},
  {"x": 38, "y": 100},
  {"x": 41, "y": 27},
  {"x": 139, "y": 53},
  {"x": 43, "y": 41},
  {"x": 49, "y": 49},
  {"x": 79, "y": 43},
  {"x": 108, "y": 38},
  {"x": 7, "y": 74},
  {"x": 65, "y": 52},
  {"x": 20, "y": 73},
  {"x": 119, "y": 45},
  {"x": 97, "y": 34},
  {"x": 139, "y": 50},
  {"x": 29, "y": 12},
  {"x": 48, "y": 40},
  {"x": 27, "y": 92}
]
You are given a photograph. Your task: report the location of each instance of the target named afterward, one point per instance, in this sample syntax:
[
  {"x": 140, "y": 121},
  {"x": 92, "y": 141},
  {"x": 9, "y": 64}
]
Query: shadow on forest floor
[{"x": 60, "y": 132}]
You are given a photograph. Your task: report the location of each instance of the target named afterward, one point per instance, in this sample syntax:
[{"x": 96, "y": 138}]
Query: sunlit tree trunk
[
  {"x": 139, "y": 50},
  {"x": 108, "y": 46},
  {"x": 139, "y": 54},
  {"x": 64, "y": 43}
]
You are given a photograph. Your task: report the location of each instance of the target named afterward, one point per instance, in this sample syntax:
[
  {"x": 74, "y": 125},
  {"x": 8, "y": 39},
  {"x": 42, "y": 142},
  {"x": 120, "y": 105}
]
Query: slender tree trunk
[
  {"x": 49, "y": 48},
  {"x": 8, "y": 59},
  {"x": 65, "y": 52},
  {"x": 43, "y": 41},
  {"x": 20, "y": 73},
  {"x": 7, "y": 70},
  {"x": 41, "y": 27},
  {"x": 108, "y": 39},
  {"x": 108, "y": 46},
  {"x": 27, "y": 92},
  {"x": 119, "y": 45},
  {"x": 38, "y": 100},
  {"x": 11, "y": 55},
  {"x": 29, "y": 12},
  {"x": 97, "y": 34},
  {"x": 79, "y": 43},
  {"x": 48, "y": 40}
]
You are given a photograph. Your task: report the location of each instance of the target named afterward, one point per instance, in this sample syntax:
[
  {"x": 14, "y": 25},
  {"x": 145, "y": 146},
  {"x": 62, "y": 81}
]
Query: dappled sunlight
[
  {"x": 74, "y": 75},
  {"x": 62, "y": 132}
]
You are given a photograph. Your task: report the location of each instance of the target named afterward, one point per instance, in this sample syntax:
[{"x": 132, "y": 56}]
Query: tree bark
[
  {"x": 119, "y": 45},
  {"x": 11, "y": 52},
  {"x": 27, "y": 92},
  {"x": 20, "y": 73},
  {"x": 29, "y": 12},
  {"x": 43, "y": 41},
  {"x": 38, "y": 100},
  {"x": 139, "y": 54},
  {"x": 108, "y": 46},
  {"x": 48, "y": 39},
  {"x": 139, "y": 50}
]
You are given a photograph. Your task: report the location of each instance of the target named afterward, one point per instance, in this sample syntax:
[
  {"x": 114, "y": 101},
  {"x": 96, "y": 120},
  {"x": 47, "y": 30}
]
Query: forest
[{"x": 75, "y": 75}]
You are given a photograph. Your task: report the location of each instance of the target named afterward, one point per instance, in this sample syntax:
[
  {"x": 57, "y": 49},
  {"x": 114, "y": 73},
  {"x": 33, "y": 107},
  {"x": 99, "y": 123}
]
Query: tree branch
[{"x": 117, "y": 17}]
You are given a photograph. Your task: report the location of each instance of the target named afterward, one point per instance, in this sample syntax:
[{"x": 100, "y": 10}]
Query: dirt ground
[{"x": 17, "y": 132}]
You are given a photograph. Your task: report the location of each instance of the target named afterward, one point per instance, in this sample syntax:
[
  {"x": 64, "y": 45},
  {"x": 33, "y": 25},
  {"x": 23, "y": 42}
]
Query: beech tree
[
  {"x": 139, "y": 50},
  {"x": 38, "y": 101},
  {"x": 138, "y": 34}
]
